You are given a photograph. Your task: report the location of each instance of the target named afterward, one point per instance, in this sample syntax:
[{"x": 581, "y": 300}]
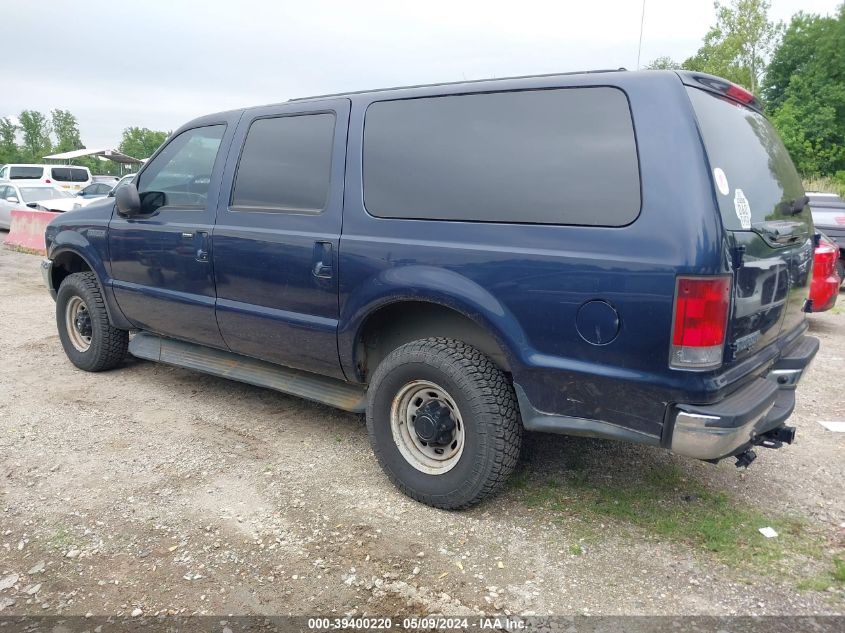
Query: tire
[
  {"x": 79, "y": 294},
  {"x": 479, "y": 401},
  {"x": 840, "y": 269}
]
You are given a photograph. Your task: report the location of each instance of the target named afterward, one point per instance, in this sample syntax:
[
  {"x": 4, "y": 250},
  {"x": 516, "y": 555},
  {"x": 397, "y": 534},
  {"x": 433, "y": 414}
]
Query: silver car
[{"x": 46, "y": 197}]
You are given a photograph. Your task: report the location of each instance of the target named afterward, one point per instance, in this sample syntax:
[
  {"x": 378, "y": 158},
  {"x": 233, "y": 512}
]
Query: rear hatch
[{"x": 766, "y": 217}]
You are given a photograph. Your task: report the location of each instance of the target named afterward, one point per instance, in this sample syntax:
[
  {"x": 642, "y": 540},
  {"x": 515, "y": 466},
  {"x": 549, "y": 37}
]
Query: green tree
[
  {"x": 141, "y": 142},
  {"x": 66, "y": 129},
  {"x": 9, "y": 152},
  {"x": 738, "y": 46},
  {"x": 663, "y": 63},
  {"x": 36, "y": 136},
  {"x": 806, "y": 92}
]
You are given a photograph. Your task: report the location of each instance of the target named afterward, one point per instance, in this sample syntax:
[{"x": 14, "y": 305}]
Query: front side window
[
  {"x": 285, "y": 165},
  {"x": 561, "y": 156},
  {"x": 179, "y": 176},
  {"x": 26, "y": 173}
]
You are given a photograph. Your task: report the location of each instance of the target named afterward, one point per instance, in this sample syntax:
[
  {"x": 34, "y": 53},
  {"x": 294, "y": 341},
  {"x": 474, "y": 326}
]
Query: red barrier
[{"x": 27, "y": 231}]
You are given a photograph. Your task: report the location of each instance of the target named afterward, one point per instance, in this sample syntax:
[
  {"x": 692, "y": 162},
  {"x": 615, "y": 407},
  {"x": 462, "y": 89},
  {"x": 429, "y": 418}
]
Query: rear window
[
  {"x": 286, "y": 164},
  {"x": 753, "y": 174},
  {"x": 69, "y": 174},
  {"x": 564, "y": 156},
  {"x": 25, "y": 173}
]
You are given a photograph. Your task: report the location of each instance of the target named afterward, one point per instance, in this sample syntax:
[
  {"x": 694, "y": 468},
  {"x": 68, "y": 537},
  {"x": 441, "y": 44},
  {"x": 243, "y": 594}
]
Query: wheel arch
[
  {"x": 394, "y": 323},
  {"x": 67, "y": 261}
]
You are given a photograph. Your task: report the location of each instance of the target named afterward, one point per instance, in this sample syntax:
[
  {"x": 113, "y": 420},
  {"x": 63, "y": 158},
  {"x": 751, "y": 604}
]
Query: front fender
[
  {"x": 433, "y": 285},
  {"x": 89, "y": 243}
]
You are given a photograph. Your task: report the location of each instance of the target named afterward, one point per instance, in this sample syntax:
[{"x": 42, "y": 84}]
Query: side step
[{"x": 303, "y": 384}]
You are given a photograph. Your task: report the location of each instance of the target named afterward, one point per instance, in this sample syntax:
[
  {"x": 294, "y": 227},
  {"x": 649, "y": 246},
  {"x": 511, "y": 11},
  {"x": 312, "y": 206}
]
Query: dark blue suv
[{"x": 611, "y": 254}]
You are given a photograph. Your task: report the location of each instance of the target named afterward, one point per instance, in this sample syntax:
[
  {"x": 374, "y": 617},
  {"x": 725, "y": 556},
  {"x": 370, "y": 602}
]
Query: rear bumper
[{"x": 731, "y": 426}]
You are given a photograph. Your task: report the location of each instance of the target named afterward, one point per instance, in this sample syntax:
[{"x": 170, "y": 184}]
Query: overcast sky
[{"x": 159, "y": 63}]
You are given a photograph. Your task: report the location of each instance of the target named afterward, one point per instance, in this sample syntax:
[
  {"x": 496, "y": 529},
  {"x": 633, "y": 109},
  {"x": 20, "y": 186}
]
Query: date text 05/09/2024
[{"x": 424, "y": 623}]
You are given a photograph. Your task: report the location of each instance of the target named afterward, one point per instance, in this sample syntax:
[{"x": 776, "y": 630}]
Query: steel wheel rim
[
  {"x": 78, "y": 324},
  {"x": 432, "y": 460}
]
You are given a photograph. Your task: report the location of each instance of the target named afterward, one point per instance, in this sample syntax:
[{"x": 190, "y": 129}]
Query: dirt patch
[{"x": 165, "y": 490}]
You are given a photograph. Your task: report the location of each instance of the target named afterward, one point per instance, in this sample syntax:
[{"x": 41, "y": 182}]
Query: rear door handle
[
  {"x": 202, "y": 246},
  {"x": 323, "y": 260}
]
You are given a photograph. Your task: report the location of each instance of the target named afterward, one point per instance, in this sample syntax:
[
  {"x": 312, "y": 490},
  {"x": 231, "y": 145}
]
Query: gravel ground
[{"x": 152, "y": 489}]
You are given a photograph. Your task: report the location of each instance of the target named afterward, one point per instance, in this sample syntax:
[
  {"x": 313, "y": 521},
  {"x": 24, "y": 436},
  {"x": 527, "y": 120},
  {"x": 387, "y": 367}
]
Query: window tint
[
  {"x": 286, "y": 164},
  {"x": 69, "y": 174},
  {"x": 565, "y": 156},
  {"x": 181, "y": 173},
  {"x": 25, "y": 173}
]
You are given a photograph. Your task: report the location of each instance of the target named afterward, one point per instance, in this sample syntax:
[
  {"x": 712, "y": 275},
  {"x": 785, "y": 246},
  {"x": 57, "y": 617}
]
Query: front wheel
[
  {"x": 443, "y": 422},
  {"x": 89, "y": 340}
]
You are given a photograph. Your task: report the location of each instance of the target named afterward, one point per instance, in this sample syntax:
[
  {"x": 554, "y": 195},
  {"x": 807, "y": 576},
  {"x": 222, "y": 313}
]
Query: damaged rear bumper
[{"x": 730, "y": 427}]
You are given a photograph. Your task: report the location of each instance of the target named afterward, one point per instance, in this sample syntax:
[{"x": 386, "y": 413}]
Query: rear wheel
[
  {"x": 443, "y": 422},
  {"x": 840, "y": 269},
  {"x": 89, "y": 340}
]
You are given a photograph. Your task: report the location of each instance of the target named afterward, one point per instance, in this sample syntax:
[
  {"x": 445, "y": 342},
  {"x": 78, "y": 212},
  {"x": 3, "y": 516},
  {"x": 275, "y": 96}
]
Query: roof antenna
[{"x": 640, "y": 48}]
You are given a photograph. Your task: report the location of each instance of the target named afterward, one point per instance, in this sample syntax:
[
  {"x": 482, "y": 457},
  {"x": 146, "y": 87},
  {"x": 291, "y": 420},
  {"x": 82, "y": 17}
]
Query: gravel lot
[{"x": 151, "y": 489}]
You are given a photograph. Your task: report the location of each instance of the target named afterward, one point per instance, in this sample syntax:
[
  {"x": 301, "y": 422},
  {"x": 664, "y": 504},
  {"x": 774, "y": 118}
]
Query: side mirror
[
  {"x": 128, "y": 201},
  {"x": 12, "y": 199}
]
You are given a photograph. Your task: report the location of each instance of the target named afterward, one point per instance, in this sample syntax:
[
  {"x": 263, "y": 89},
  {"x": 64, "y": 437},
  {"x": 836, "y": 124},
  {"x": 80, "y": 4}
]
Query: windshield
[
  {"x": 755, "y": 180},
  {"x": 32, "y": 194}
]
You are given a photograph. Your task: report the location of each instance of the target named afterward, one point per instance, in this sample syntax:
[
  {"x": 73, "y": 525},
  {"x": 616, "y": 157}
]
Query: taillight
[
  {"x": 700, "y": 322},
  {"x": 824, "y": 264},
  {"x": 740, "y": 94}
]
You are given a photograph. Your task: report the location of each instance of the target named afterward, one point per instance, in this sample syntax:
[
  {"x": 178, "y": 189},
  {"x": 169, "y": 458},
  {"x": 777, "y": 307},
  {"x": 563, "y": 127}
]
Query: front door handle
[{"x": 323, "y": 260}]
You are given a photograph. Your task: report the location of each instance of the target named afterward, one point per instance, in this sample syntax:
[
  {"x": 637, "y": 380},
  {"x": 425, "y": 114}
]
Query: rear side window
[
  {"x": 25, "y": 173},
  {"x": 69, "y": 174},
  {"x": 564, "y": 156},
  {"x": 285, "y": 165}
]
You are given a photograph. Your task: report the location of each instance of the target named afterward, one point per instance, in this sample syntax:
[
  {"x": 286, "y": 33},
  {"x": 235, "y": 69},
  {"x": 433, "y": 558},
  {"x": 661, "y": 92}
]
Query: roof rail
[{"x": 455, "y": 83}]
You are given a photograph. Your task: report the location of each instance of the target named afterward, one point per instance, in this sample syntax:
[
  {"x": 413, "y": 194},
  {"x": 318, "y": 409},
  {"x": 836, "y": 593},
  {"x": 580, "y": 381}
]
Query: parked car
[
  {"x": 43, "y": 197},
  {"x": 110, "y": 180},
  {"x": 464, "y": 262},
  {"x": 109, "y": 193},
  {"x": 824, "y": 289},
  {"x": 96, "y": 190},
  {"x": 68, "y": 177},
  {"x": 829, "y": 216},
  {"x": 125, "y": 180}
]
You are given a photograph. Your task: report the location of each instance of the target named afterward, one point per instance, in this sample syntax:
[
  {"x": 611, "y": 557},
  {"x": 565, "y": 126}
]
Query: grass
[
  {"x": 826, "y": 185},
  {"x": 667, "y": 504},
  {"x": 61, "y": 539},
  {"x": 832, "y": 578}
]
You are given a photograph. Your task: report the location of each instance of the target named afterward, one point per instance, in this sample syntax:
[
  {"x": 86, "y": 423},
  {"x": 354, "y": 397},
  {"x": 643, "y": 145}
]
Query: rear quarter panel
[{"x": 525, "y": 283}]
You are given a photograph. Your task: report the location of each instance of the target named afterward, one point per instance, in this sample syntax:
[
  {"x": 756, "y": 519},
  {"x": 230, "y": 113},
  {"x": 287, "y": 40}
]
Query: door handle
[
  {"x": 202, "y": 246},
  {"x": 323, "y": 260}
]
